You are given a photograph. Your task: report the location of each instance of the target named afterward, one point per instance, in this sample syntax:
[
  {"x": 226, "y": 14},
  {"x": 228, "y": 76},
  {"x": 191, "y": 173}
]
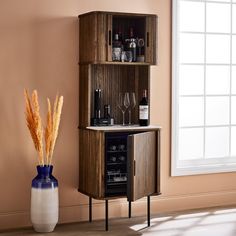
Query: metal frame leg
[
  {"x": 129, "y": 209},
  {"x": 90, "y": 209},
  {"x": 148, "y": 211},
  {"x": 106, "y": 213}
]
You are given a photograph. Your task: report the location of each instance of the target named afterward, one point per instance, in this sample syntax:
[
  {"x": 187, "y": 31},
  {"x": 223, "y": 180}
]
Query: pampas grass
[
  {"x": 55, "y": 124},
  {"x": 48, "y": 131},
  {"x": 34, "y": 123}
]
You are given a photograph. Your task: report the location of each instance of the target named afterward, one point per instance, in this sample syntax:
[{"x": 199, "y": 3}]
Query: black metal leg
[
  {"x": 90, "y": 209},
  {"x": 129, "y": 209},
  {"x": 106, "y": 212},
  {"x": 148, "y": 211}
]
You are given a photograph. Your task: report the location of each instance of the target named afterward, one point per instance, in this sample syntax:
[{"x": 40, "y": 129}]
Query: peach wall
[{"x": 39, "y": 49}]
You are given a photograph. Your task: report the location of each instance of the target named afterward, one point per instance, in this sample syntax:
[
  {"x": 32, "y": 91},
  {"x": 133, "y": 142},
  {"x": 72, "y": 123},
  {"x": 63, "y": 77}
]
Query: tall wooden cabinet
[{"x": 116, "y": 161}]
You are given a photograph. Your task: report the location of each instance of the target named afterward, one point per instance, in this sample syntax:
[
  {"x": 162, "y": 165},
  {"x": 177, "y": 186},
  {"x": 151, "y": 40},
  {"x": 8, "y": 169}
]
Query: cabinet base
[{"x": 129, "y": 211}]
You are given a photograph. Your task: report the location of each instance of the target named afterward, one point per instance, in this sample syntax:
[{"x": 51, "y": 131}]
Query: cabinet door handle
[
  {"x": 109, "y": 37},
  {"x": 134, "y": 167},
  {"x": 147, "y": 39}
]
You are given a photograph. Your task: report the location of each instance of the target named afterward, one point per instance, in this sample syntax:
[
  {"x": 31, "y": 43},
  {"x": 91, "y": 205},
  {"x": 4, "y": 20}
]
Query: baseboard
[{"x": 119, "y": 208}]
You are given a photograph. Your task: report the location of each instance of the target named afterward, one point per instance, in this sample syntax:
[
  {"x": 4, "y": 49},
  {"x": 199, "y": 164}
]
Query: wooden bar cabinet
[{"x": 114, "y": 160}]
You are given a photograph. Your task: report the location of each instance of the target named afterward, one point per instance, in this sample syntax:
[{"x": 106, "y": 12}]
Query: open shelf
[{"x": 111, "y": 79}]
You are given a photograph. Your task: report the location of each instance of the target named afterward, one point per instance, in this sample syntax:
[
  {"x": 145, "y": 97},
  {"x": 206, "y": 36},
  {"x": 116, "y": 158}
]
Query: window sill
[{"x": 199, "y": 170}]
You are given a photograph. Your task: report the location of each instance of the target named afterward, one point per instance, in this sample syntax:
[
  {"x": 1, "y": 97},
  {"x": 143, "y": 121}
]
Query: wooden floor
[{"x": 206, "y": 222}]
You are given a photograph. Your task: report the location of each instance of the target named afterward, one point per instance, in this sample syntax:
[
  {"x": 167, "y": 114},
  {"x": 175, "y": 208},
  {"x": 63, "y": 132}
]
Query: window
[{"x": 204, "y": 86}]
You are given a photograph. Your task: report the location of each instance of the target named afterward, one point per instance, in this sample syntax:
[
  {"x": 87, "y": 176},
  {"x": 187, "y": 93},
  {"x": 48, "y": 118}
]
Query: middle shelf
[{"x": 111, "y": 79}]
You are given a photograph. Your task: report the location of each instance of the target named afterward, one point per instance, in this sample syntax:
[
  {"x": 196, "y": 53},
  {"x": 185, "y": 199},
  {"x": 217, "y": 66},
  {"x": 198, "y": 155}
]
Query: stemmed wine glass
[
  {"x": 126, "y": 100},
  {"x": 122, "y": 104},
  {"x": 132, "y": 104}
]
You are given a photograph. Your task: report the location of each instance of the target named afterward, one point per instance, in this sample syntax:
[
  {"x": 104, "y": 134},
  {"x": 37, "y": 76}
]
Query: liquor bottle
[
  {"x": 120, "y": 36},
  {"x": 132, "y": 44},
  {"x": 116, "y": 48},
  {"x": 143, "y": 110}
]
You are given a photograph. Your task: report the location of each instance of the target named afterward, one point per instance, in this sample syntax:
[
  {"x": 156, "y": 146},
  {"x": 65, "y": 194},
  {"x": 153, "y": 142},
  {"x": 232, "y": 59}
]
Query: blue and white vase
[{"x": 44, "y": 200}]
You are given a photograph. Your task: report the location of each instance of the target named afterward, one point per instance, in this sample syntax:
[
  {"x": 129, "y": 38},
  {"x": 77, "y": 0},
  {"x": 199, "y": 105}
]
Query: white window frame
[{"x": 192, "y": 167}]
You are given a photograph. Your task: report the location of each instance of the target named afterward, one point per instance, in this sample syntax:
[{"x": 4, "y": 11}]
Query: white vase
[{"x": 44, "y": 200}]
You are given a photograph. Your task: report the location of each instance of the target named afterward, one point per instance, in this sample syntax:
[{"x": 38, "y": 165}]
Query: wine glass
[
  {"x": 121, "y": 106},
  {"x": 126, "y": 100},
  {"x": 132, "y": 104}
]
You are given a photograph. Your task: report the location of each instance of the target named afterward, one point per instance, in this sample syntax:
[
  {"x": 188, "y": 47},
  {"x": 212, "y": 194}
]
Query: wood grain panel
[
  {"x": 93, "y": 37},
  {"x": 88, "y": 38},
  {"x": 158, "y": 166},
  {"x": 91, "y": 163},
  {"x": 84, "y": 95},
  {"x": 112, "y": 79},
  {"x": 102, "y": 37},
  {"x": 142, "y": 165},
  {"x": 150, "y": 39}
]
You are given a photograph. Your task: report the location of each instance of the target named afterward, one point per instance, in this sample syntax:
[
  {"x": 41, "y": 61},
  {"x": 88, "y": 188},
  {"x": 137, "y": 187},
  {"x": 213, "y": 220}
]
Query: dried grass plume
[{"x": 34, "y": 123}]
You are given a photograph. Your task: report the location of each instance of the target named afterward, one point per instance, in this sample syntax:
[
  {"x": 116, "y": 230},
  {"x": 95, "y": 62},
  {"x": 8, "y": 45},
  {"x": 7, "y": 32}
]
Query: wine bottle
[
  {"x": 132, "y": 45},
  {"x": 143, "y": 110},
  {"x": 116, "y": 48}
]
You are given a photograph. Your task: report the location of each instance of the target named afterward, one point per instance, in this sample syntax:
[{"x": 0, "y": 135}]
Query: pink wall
[{"x": 39, "y": 49}]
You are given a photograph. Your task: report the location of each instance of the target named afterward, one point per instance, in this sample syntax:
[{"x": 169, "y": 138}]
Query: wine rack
[{"x": 116, "y": 164}]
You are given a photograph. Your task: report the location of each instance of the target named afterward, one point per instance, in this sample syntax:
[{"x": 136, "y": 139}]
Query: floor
[{"x": 205, "y": 222}]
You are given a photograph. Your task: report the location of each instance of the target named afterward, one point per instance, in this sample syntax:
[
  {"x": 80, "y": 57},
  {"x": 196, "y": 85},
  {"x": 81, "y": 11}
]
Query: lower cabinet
[{"x": 119, "y": 163}]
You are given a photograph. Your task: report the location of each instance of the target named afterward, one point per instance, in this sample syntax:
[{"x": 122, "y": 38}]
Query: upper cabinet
[{"x": 102, "y": 32}]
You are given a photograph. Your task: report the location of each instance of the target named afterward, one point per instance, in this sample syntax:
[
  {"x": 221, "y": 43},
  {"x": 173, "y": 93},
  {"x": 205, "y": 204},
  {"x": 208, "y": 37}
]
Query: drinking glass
[
  {"x": 126, "y": 100},
  {"x": 132, "y": 104},
  {"x": 121, "y": 105},
  {"x": 129, "y": 56}
]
